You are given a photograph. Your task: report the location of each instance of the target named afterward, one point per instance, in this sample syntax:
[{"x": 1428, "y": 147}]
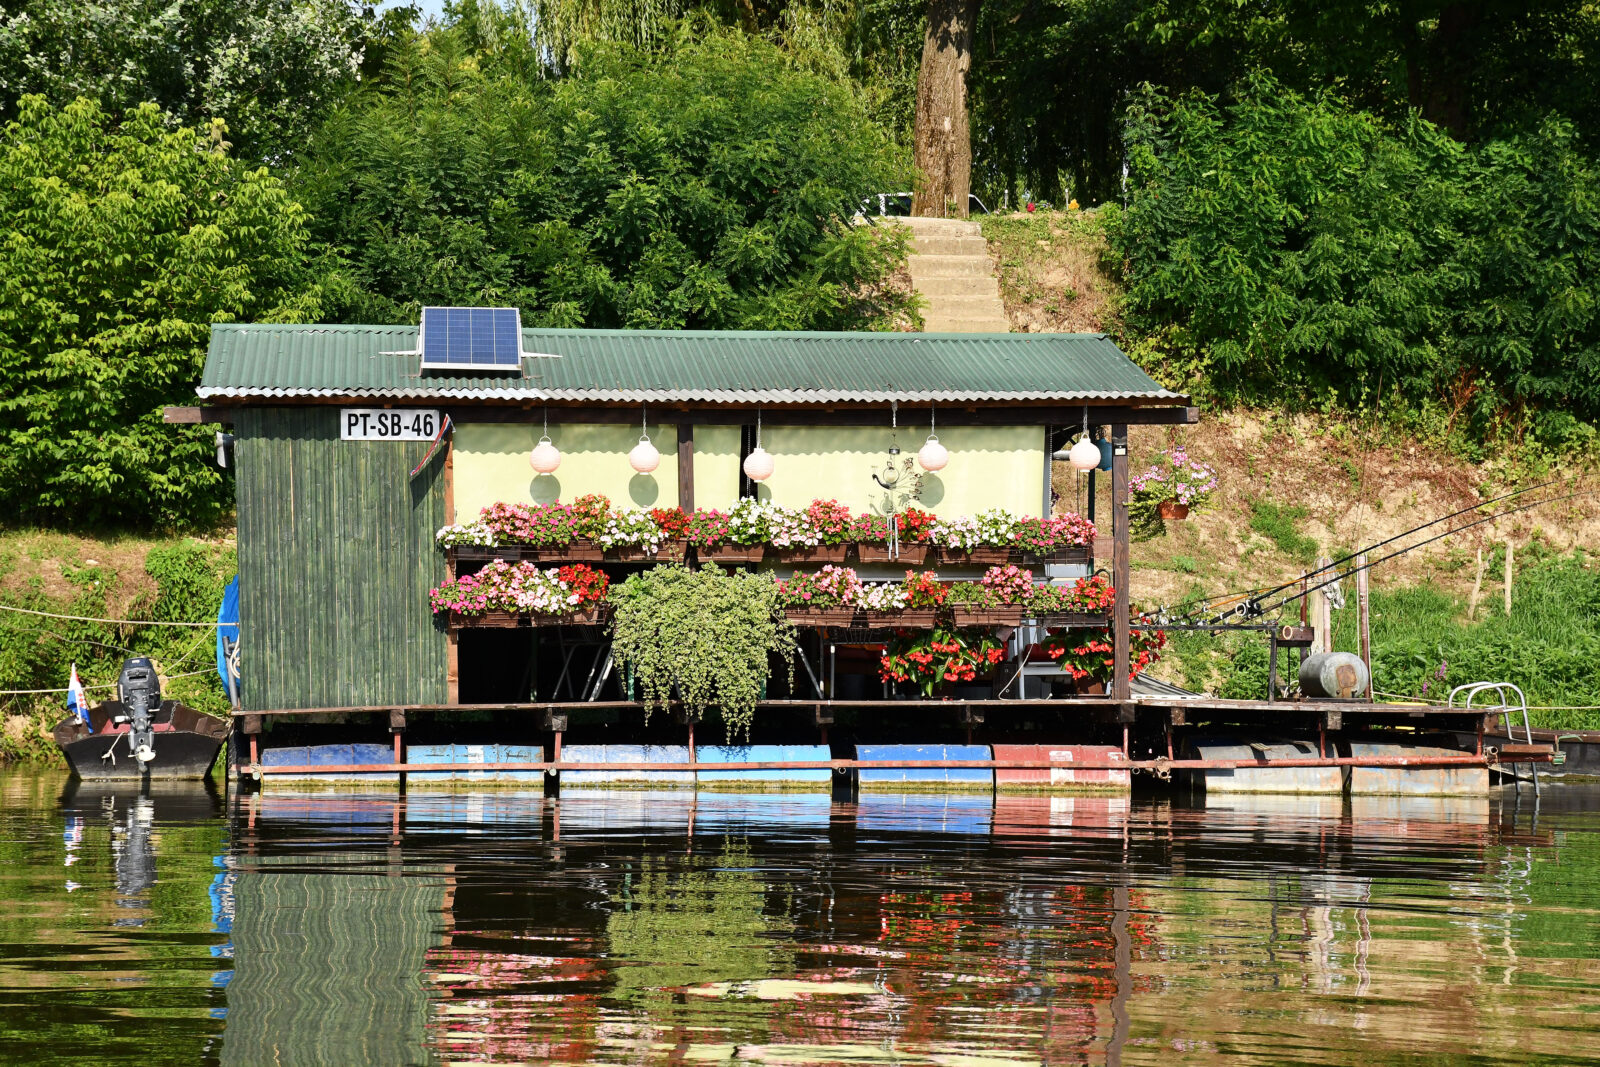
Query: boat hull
[{"x": 186, "y": 744}]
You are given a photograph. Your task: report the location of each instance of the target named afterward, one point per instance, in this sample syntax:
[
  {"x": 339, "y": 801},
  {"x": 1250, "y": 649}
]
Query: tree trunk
[{"x": 943, "y": 134}]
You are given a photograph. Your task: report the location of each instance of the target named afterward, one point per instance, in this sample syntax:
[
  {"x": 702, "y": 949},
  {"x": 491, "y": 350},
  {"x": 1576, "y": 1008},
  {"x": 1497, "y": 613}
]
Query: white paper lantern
[
  {"x": 759, "y": 464},
  {"x": 545, "y": 457},
  {"x": 644, "y": 458},
  {"x": 933, "y": 456},
  {"x": 1085, "y": 455}
]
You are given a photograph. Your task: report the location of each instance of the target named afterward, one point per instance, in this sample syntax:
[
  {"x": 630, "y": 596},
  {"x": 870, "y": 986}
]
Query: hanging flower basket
[
  {"x": 971, "y": 615},
  {"x": 910, "y": 555},
  {"x": 1172, "y": 510},
  {"x": 732, "y": 554},
  {"x": 821, "y": 616},
  {"x": 810, "y": 554}
]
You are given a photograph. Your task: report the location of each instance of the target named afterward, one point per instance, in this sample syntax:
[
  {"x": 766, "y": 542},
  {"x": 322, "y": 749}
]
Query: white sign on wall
[{"x": 380, "y": 424}]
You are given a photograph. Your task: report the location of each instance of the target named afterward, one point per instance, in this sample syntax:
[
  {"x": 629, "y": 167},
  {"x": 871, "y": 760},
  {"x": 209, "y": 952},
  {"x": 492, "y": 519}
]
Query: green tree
[
  {"x": 125, "y": 241},
  {"x": 268, "y": 67},
  {"x": 708, "y": 184}
]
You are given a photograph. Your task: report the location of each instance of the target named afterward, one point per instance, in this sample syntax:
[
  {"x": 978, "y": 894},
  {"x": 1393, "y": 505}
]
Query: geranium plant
[
  {"x": 942, "y": 656},
  {"x": 1085, "y": 596},
  {"x": 830, "y": 521},
  {"x": 1089, "y": 654},
  {"x": 522, "y": 588},
  {"x": 830, "y": 587},
  {"x": 924, "y": 590}
]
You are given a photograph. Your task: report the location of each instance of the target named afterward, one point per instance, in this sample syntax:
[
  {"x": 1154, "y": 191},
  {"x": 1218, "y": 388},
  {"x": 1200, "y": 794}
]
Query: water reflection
[{"x": 639, "y": 927}]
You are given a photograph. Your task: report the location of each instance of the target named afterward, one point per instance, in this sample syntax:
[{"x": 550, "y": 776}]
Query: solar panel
[{"x": 471, "y": 339}]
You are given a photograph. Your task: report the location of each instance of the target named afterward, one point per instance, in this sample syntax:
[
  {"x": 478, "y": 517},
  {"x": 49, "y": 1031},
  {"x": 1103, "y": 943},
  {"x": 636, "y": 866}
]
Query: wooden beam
[
  {"x": 686, "y": 467},
  {"x": 1121, "y": 656},
  {"x": 190, "y": 416},
  {"x": 990, "y": 413}
]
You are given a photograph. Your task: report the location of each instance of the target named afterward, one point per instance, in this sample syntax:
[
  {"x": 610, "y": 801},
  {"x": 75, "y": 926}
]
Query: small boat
[{"x": 139, "y": 736}]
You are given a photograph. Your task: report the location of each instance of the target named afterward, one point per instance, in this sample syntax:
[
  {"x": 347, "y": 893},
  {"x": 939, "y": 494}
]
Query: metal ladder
[{"x": 1508, "y": 710}]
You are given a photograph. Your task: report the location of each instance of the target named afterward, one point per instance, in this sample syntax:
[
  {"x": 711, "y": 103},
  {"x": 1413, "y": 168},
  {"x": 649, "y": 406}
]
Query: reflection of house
[{"x": 328, "y": 963}]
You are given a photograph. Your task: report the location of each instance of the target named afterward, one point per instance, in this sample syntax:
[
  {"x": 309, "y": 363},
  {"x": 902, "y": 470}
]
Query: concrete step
[
  {"x": 932, "y": 325},
  {"x": 949, "y": 246},
  {"x": 937, "y": 288},
  {"x": 939, "y": 227},
  {"x": 949, "y": 266},
  {"x": 962, "y": 306}
]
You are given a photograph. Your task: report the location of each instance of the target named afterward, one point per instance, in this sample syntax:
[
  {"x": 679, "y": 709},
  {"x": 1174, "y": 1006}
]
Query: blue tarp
[{"x": 227, "y": 628}]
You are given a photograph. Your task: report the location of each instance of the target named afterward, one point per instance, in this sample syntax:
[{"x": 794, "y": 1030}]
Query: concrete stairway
[{"x": 951, "y": 268}]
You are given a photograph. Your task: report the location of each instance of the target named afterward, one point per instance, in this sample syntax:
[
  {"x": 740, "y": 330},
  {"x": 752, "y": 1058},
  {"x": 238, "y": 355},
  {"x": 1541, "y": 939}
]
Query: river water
[{"x": 649, "y": 928}]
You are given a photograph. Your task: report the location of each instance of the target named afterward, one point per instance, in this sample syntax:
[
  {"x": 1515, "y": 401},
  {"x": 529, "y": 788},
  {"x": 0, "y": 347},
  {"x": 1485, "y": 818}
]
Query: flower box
[
  {"x": 910, "y": 555},
  {"x": 970, "y": 615},
  {"x": 810, "y": 554},
  {"x": 976, "y": 557},
  {"x": 732, "y": 554},
  {"x": 669, "y": 552},
  {"x": 821, "y": 616},
  {"x": 1065, "y": 554},
  {"x": 577, "y": 552},
  {"x": 510, "y": 620},
  {"x": 910, "y": 619},
  {"x": 1075, "y": 620}
]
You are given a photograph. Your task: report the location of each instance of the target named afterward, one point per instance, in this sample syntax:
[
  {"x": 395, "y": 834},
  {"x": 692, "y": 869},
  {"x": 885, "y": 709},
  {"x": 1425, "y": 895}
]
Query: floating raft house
[{"x": 353, "y": 446}]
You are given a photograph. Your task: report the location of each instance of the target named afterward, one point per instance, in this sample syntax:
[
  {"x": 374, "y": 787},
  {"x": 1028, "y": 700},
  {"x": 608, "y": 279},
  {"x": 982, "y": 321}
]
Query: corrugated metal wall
[{"x": 336, "y": 558}]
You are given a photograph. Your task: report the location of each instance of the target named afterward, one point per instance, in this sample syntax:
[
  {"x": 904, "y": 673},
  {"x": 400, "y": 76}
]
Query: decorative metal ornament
[
  {"x": 644, "y": 458},
  {"x": 545, "y": 457}
]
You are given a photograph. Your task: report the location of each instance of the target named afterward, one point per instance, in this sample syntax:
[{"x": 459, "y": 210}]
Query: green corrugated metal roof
[{"x": 657, "y": 366}]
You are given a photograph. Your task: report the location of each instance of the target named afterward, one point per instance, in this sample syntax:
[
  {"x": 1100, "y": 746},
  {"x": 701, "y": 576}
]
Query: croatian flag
[{"x": 76, "y": 701}]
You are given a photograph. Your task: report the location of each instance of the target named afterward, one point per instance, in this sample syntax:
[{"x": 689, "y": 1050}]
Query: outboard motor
[{"x": 139, "y": 690}]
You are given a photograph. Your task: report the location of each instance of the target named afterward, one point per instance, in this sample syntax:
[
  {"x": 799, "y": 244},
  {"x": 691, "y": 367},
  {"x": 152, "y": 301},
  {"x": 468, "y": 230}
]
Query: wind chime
[{"x": 899, "y": 478}]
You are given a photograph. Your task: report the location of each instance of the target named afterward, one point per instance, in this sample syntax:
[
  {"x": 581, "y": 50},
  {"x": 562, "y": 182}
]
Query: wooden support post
[
  {"x": 1121, "y": 656},
  {"x": 691, "y": 741},
  {"x": 686, "y": 467},
  {"x": 1477, "y": 587},
  {"x": 1322, "y": 612},
  {"x": 1364, "y": 618},
  {"x": 1510, "y": 553}
]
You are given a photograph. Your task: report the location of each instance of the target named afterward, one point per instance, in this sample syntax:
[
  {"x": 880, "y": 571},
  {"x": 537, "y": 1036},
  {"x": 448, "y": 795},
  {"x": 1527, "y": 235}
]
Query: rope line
[
  {"x": 114, "y": 622},
  {"x": 105, "y": 685}
]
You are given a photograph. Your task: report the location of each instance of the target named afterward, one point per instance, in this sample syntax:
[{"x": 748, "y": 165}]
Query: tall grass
[{"x": 1423, "y": 644}]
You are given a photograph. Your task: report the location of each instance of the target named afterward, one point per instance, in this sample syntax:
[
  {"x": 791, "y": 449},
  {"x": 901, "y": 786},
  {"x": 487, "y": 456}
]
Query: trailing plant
[
  {"x": 928, "y": 660},
  {"x": 523, "y": 588},
  {"x": 702, "y": 637}
]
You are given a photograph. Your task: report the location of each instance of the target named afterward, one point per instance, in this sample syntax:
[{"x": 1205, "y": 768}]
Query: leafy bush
[
  {"x": 707, "y": 185},
  {"x": 1283, "y": 246},
  {"x": 125, "y": 241}
]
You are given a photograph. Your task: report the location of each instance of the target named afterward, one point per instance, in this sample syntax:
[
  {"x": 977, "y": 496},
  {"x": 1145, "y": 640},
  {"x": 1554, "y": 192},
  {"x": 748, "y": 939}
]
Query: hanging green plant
[{"x": 701, "y": 636}]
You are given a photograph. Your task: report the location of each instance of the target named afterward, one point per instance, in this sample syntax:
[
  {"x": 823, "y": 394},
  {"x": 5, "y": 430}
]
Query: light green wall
[
  {"x": 491, "y": 466},
  {"x": 990, "y": 466}
]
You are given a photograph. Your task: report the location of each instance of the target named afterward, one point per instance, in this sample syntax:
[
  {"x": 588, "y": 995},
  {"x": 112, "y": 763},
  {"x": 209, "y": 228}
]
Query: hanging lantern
[
  {"x": 644, "y": 458},
  {"x": 1085, "y": 455},
  {"x": 933, "y": 455},
  {"x": 759, "y": 464},
  {"x": 545, "y": 457}
]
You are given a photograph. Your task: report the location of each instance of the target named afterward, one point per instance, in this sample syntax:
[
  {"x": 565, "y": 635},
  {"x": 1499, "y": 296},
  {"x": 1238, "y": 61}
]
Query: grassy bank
[{"x": 116, "y": 578}]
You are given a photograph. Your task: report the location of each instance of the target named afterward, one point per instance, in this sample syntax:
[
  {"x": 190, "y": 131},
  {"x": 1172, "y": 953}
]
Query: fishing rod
[
  {"x": 1261, "y": 593},
  {"x": 1256, "y": 608}
]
